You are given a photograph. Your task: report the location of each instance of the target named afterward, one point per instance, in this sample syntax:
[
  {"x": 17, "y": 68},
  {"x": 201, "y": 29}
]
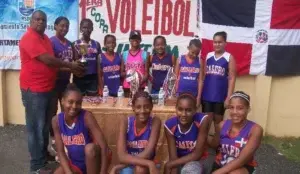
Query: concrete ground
[{"x": 14, "y": 158}]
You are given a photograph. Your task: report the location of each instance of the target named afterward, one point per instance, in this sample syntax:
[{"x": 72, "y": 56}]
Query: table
[{"x": 109, "y": 116}]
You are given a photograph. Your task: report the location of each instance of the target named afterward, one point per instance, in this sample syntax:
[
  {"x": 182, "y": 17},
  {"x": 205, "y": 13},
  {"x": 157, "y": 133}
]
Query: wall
[{"x": 273, "y": 101}]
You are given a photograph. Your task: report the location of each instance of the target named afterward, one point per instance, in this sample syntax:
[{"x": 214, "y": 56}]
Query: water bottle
[
  {"x": 146, "y": 89},
  {"x": 120, "y": 95},
  {"x": 105, "y": 94},
  {"x": 161, "y": 99}
]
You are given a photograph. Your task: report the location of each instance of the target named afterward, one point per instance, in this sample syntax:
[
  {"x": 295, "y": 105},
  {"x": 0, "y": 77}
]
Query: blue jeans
[
  {"x": 38, "y": 113},
  {"x": 130, "y": 169}
]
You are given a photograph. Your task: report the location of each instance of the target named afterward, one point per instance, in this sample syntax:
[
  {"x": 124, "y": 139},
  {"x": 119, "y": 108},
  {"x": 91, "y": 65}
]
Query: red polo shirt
[{"x": 35, "y": 75}]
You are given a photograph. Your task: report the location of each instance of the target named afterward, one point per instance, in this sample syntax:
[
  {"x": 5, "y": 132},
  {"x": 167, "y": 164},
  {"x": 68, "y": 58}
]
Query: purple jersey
[
  {"x": 63, "y": 52},
  {"x": 111, "y": 73},
  {"x": 160, "y": 67},
  {"x": 75, "y": 138},
  {"x": 188, "y": 76},
  {"x": 215, "y": 84},
  {"x": 137, "y": 142},
  {"x": 231, "y": 147},
  {"x": 185, "y": 142},
  {"x": 91, "y": 57}
]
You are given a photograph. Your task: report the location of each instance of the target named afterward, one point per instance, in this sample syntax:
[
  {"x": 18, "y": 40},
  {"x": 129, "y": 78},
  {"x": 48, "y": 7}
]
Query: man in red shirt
[{"x": 37, "y": 80}]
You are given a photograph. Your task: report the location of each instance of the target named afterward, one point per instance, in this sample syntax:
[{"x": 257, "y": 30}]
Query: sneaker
[{"x": 44, "y": 170}]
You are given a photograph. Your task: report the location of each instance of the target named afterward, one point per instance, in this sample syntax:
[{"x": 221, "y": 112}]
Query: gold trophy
[{"x": 83, "y": 51}]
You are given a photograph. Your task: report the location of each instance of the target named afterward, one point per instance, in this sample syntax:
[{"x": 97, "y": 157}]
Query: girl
[
  {"x": 189, "y": 76},
  {"x": 138, "y": 138},
  {"x": 137, "y": 59},
  {"x": 220, "y": 75},
  {"x": 160, "y": 62},
  {"x": 111, "y": 66},
  {"x": 237, "y": 138},
  {"x": 63, "y": 50},
  {"x": 186, "y": 136},
  {"x": 76, "y": 128},
  {"x": 88, "y": 84}
]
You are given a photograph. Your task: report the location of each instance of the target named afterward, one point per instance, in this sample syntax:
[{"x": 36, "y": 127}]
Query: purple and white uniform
[{"x": 215, "y": 84}]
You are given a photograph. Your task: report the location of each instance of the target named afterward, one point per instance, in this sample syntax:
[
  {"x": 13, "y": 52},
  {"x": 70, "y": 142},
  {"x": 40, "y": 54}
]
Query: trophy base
[{"x": 170, "y": 101}]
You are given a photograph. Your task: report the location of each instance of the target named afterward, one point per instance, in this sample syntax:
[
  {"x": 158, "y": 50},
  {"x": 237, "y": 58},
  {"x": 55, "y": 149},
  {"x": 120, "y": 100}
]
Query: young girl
[
  {"x": 186, "y": 136},
  {"x": 137, "y": 59},
  {"x": 111, "y": 66},
  {"x": 219, "y": 79},
  {"x": 63, "y": 50},
  {"x": 138, "y": 138},
  {"x": 237, "y": 138},
  {"x": 78, "y": 131},
  {"x": 88, "y": 84},
  {"x": 188, "y": 71},
  {"x": 160, "y": 62}
]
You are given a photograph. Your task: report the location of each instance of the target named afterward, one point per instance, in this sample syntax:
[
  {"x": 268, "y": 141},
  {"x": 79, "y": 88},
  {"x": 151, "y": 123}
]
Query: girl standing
[
  {"x": 138, "y": 138},
  {"x": 188, "y": 71},
  {"x": 219, "y": 82},
  {"x": 136, "y": 59},
  {"x": 160, "y": 62},
  {"x": 111, "y": 66},
  {"x": 88, "y": 84},
  {"x": 186, "y": 136},
  {"x": 78, "y": 131},
  {"x": 237, "y": 138}
]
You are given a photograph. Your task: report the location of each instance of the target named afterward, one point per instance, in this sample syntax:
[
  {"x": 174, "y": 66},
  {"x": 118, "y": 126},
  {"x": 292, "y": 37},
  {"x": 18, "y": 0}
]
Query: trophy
[
  {"x": 132, "y": 77},
  {"x": 83, "y": 51},
  {"x": 169, "y": 86}
]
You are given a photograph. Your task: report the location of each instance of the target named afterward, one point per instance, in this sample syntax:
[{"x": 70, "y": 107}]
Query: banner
[
  {"x": 174, "y": 19},
  {"x": 14, "y": 19}
]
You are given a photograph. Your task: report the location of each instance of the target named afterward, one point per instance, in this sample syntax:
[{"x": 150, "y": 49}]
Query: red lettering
[
  {"x": 166, "y": 17},
  {"x": 178, "y": 20},
  {"x": 133, "y": 15},
  {"x": 82, "y": 4},
  {"x": 145, "y": 17},
  {"x": 156, "y": 16},
  {"x": 186, "y": 31},
  {"x": 112, "y": 18},
  {"x": 125, "y": 16}
]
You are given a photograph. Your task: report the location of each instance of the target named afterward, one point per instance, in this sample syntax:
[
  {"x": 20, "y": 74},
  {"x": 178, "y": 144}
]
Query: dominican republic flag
[{"x": 262, "y": 35}]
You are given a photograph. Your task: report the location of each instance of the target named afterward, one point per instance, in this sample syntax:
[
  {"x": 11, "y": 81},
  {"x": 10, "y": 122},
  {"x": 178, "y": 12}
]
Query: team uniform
[
  {"x": 186, "y": 142},
  {"x": 160, "y": 67},
  {"x": 89, "y": 82},
  {"x": 188, "y": 76},
  {"x": 136, "y": 142},
  {"x": 75, "y": 138},
  {"x": 215, "y": 84},
  {"x": 111, "y": 73},
  {"x": 135, "y": 62},
  {"x": 231, "y": 147}
]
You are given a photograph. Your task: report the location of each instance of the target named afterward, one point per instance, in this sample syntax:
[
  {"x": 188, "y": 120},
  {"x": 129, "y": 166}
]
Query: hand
[
  {"x": 167, "y": 169},
  {"x": 218, "y": 172},
  {"x": 226, "y": 103},
  {"x": 77, "y": 68},
  {"x": 152, "y": 168},
  {"x": 113, "y": 170}
]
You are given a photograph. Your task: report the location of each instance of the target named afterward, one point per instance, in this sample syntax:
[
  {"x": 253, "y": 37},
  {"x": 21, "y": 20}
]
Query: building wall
[{"x": 273, "y": 102}]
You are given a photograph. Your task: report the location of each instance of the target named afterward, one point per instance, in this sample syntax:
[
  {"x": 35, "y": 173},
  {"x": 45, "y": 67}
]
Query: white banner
[{"x": 175, "y": 19}]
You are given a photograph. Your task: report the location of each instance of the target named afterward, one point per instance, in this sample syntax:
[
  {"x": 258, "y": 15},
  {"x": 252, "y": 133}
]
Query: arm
[
  {"x": 147, "y": 67},
  {"x": 247, "y": 153},
  {"x": 215, "y": 141},
  {"x": 177, "y": 67},
  {"x": 100, "y": 74},
  {"x": 123, "y": 156},
  {"x": 199, "y": 149},
  {"x": 151, "y": 147},
  {"x": 200, "y": 80},
  {"x": 171, "y": 149},
  {"x": 98, "y": 136},
  {"x": 64, "y": 162},
  {"x": 123, "y": 70},
  {"x": 231, "y": 76}
]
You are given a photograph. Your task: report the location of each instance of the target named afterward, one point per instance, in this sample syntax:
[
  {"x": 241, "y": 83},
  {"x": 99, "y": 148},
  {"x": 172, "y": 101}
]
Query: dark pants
[{"x": 38, "y": 113}]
